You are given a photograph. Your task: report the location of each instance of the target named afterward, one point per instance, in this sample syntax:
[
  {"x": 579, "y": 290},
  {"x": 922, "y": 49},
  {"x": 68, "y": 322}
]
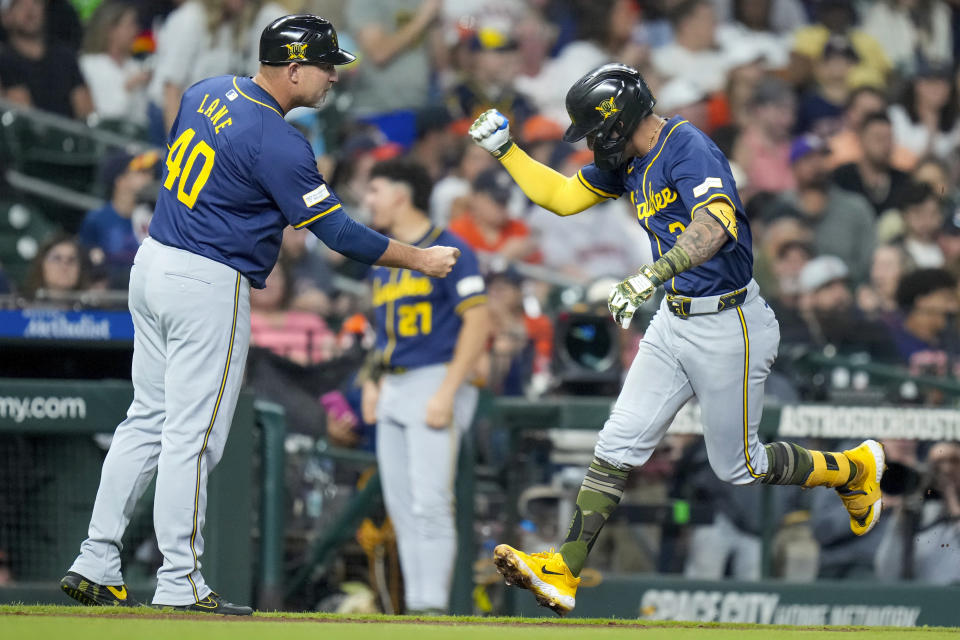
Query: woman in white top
[
  {"x": 199, "y": 39},
  {"x": 925, "y": 120},
  {"x": 116, "y": 80},
  {"x": 908, "y": 28}
]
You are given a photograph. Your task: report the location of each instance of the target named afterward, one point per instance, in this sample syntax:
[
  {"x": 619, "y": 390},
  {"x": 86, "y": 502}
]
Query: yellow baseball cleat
[
  {"x": 861, "y": 496},
  {"x": 545, "y": 574}
]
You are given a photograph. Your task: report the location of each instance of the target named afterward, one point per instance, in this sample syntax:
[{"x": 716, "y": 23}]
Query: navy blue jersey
[
  {"x": 677, "y": 178},
  {"x": 237, "y": 173},
  {"x": 419, "y": 318}
]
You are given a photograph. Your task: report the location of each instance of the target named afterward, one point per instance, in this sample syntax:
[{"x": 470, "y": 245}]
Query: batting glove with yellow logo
[
  {"x": 492, "y": 132},
  {"x": 627, "y": 295}
]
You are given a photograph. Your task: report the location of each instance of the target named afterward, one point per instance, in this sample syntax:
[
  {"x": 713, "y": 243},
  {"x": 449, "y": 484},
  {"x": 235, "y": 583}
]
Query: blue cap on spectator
[
  {"x": 932, "y": 69},
  {"x": 112, "y": 167},
  {"x": 807, "y": 143},
  {"x": 496, "y": 183}
]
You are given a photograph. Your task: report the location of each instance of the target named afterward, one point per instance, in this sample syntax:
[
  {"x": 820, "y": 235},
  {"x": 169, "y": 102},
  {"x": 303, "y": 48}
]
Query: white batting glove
[
  {"x": 627, "y": 296},
  {"x": 492, "y": 132}
]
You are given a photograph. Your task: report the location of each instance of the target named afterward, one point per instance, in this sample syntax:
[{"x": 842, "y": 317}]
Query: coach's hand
[
  {"x": 440, "y": 409},
  {"x": 492, "y": 132},
  {"x": 437, "y": 261},
  {"x": 627, "y": 295}
]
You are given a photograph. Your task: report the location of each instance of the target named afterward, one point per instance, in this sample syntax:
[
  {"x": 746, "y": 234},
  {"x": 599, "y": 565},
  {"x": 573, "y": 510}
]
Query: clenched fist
[
  {"x": 492, "y": 132},
  {"x": 437, "y": 261}
]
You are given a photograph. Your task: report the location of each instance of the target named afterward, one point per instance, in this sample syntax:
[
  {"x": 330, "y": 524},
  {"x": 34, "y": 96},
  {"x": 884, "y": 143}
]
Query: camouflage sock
[
  {"x": 599, "y": 495},
  {"x": 788, "y": 463}
]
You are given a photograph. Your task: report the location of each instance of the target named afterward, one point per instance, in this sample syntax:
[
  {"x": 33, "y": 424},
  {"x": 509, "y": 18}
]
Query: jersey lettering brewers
[
  {"x": 419, "y": 318},
  {"x": 237, "y": 173},
  {"x": 682, "y": 174}
]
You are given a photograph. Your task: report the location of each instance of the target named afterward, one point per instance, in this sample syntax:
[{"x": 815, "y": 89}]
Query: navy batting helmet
[
  {"x": 607, "y": 104},
  {"x": 302, "y": 38}
]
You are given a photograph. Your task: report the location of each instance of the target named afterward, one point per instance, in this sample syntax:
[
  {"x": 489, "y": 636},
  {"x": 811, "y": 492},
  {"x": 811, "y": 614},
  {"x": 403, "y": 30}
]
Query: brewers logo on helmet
[
  {"x": 302, "y": 38},
  {"x": 606, "y": 105}
]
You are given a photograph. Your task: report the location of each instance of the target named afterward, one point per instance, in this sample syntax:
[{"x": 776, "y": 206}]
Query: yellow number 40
[{"x": 176, "y": 168}]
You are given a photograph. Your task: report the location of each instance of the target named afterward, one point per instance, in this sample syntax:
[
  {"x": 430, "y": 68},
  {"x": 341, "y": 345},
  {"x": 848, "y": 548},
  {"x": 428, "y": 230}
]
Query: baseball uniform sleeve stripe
[
  {"x": 729, "y": 222},
  {"x": 471, "y": 302},
  {"x": 597, "y": 190},
  {"x": 206, "y": 437},
  {"x": 263, "y": 104},
  {"x": 746, "y": 388},
  {"x": 317, "y": 217}
]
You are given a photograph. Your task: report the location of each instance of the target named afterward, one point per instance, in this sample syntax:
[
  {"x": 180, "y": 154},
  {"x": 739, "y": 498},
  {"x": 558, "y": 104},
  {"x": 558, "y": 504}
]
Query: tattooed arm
[
  {"x": 697, "y": 244},
  {"x": 709, "y": 231}
]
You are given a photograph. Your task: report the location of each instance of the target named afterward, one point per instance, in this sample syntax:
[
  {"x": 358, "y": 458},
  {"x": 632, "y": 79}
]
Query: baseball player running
[
  {"x": 713, "y": 337},
  {"x": 430, "y": 334},
  {"x": 236, "y": 174}
]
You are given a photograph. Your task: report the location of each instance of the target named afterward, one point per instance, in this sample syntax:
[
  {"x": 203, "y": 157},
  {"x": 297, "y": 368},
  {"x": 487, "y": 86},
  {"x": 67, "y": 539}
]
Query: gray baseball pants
[
  {"x": 417, "y": 471},
  {"x": 191, "y": 318}
]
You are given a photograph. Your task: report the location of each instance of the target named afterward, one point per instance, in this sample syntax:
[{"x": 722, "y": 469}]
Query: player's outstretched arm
[
  {"x": 436, "y": 261},
  {"x": 551, "y": 190}
]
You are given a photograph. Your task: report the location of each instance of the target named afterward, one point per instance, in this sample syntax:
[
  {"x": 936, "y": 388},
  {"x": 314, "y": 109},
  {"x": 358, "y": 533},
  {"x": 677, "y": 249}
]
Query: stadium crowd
[{"x": 841, "y": 120}]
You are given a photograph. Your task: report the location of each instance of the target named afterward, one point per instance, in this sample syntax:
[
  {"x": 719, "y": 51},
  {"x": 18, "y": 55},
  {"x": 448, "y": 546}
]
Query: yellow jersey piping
[{"x": 262, "y": 104}]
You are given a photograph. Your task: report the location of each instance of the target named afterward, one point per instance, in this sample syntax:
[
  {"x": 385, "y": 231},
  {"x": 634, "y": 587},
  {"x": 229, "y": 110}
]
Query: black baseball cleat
[
  {"x": 213, "y": 603},
  {"x": 96, "y": 595}
]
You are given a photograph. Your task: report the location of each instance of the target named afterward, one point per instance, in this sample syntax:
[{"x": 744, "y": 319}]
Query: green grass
[{"x": 81, "y": 623}]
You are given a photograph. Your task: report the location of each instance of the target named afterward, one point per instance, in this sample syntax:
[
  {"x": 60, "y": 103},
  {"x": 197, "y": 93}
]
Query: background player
[
  {"x": 430, "y": 334},
  {"x": 236, "y": 175},
  {"x": 713, "y": 337}
]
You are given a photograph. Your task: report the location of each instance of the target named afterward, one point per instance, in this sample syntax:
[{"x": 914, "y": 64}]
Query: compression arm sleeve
[{"x": 551, "y": 190}]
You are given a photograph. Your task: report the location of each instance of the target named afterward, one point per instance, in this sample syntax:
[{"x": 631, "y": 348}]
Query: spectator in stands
[
  {"x": 308, "y": 274},
  {"x": 781, "y": 17},
  {"x": 396, "y": 40},
  {"x": 842, "y": 222},
  {"x": 199, "y": 39},
  {"x": 487, "y": 227},
  {"x": 911, "y": 30},
  {"x": 927, "y": 299},
  {"x": 491, "y": 72},
  {"x": 845, "y": 144},
  {"x": 949, "y": 242},
  {"x": 35, "y": 71},
  {"x": 695, "y": 54},
  {"x": 284, "y": 346},
  {"x": 604, "y": 33},
  {"x": 521, "y": 344},
  {"x": 762, "y": 149},
  {"x": 450, "y": 197},
  {"x": 298, "y": 336},
  {"x": 117, "y": 80},
  {"x": 435, "y": 145},
  {"x": 872, "y": 176},
  {"x": 822, "y": 107},
  {"x": 107, "y": 233},
  {"x": 826, "y": 306},
  {"x": 752, "y": 26},
  {"x": 598, "y": 243},
  {"x": 58, "y": 273},
  {"x": 922, "y": 214},
  {"x": 922, "y": 541},
  {"x": 877, "y": 297},
  {"x": 925, "y": 119},
  {"x": 838, "y": 18}
]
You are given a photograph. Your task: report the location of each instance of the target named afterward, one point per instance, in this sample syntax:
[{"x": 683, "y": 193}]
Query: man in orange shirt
[{"x": 487, "y": 226}]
